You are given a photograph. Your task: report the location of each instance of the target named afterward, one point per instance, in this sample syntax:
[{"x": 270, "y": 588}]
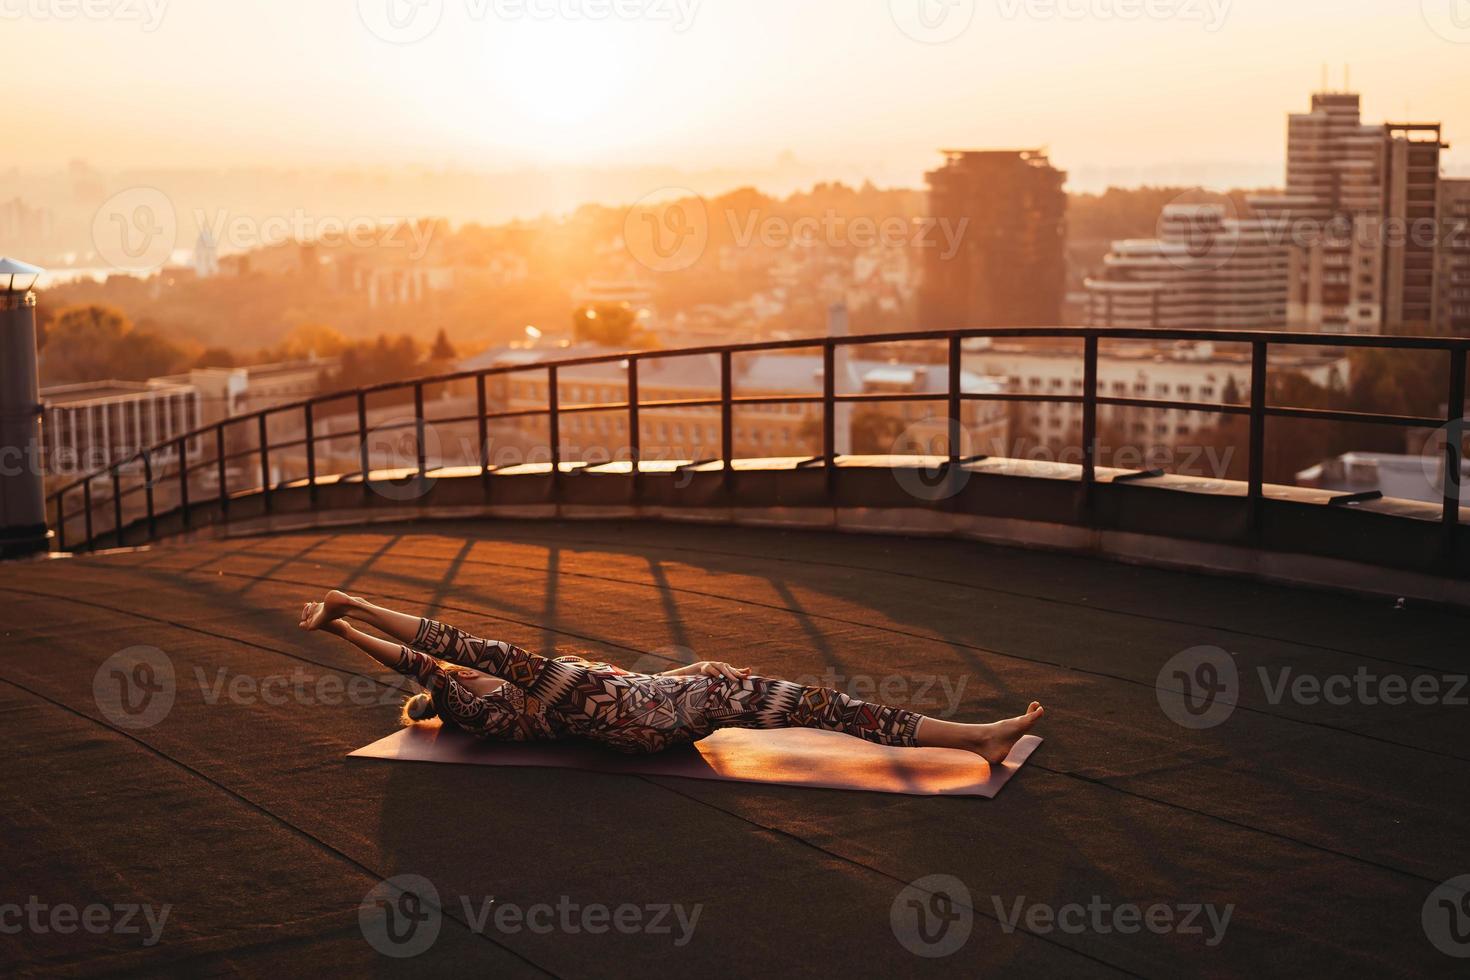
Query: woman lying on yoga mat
[{"x": 497, "y": 691}]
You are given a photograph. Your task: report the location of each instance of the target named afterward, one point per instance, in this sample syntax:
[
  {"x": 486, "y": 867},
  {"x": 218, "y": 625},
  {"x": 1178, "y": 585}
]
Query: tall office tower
[
  {"x": 1452, "y": 279},
  {"x": 1010, "y": 266},
  {"x": 1411, "y": 235},
  {"x": 1332, "y": 210},
  {"x": 1204, "y": 271},
  {"x": 1362, "y": 206}
]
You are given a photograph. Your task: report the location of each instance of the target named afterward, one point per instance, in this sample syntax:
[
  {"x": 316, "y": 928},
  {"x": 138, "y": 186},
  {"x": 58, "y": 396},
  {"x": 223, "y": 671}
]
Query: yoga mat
[{"x": 786, "y": 757}]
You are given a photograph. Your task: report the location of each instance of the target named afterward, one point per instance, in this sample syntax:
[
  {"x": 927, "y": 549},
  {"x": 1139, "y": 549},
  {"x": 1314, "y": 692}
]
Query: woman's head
[
  {"x": 418, "y": 708},
  {"x": 422, "y": 707}
]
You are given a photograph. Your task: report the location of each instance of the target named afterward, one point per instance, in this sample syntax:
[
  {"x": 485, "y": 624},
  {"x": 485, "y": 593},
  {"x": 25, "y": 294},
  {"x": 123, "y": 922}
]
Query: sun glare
[{"x": 558, "y": 80}]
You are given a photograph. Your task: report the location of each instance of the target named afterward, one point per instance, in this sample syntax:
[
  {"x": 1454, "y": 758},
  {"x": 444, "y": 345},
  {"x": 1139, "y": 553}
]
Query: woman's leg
[
  {"x": 435, "y": 638},
  {"x": 759, "y": 702},
  {"x": 339, "y": 605},
  {"x": 993, "y": 741}
]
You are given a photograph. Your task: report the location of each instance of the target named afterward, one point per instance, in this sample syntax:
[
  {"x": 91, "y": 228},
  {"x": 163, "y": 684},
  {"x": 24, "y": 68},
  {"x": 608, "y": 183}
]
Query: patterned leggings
[
  {"x": 767, "y": 703},
  {"x": 569, "y": 696}
]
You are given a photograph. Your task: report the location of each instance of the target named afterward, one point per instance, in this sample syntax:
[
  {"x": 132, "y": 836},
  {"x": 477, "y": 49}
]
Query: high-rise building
[
  {"x": 1452, "y": 279},
  {"x": 1333, "y": 212},
  {"x": 1010, "y": 266},
  {"x": 1362, "y": 209},
  {"x": 1205, "y": 270},
  {"x": 1411, "y": 235}
]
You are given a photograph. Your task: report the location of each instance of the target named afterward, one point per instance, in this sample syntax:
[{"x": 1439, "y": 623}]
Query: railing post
[
  {"x": 310, "y": 420},
  {"x": 117, "y": 523},
  {"x": 148, "y": 492},
  {"x": 265, "y": 462},
  {"x": 1453, "y": 456},
  {"x": 421, "y": 455},
  {"x": 1089, "y": 426},
  {"x": 223, "y": 471},
  {"x": 364, "y": 454},
  {"x": 727, "y": 416},
  {"x": 87, "y": 505},
  {"x": 553, "y": 421},
  {"x": 829, "y": 405},
  {"x": 1256, "y": 479},
  {"x": 635, "y": 432},
  {"x": 184, "y": 481},
  {"x": 483, "y": 409},
  {"x": 956, "y": 407}
]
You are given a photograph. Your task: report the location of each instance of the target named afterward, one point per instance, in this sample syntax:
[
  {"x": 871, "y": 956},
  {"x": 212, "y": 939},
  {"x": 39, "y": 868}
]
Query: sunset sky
[{"x": 852, "y": 84}]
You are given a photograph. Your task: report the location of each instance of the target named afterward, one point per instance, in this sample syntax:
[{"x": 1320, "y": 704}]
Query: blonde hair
[
  {"x": 418, "y": 708},
  {"x": 421, "y": 707}
]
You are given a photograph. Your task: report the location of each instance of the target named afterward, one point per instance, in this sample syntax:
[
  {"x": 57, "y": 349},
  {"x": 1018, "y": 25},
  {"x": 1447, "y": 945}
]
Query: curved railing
[{"x": 218, "y": 457}]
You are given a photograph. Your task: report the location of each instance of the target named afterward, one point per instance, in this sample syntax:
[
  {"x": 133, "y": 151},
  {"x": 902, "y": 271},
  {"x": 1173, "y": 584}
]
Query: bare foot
[
  {"x": 316, "y": 615},
  {"x": 994, "y": 742}
]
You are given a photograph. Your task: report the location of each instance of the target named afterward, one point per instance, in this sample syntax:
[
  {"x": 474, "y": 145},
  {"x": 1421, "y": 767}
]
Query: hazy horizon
[{"x": 1196, "y": 93}]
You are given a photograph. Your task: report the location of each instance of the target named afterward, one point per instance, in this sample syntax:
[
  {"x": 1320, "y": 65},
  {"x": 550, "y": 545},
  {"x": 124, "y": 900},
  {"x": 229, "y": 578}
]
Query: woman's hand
[{"x": 710, "y": 668}]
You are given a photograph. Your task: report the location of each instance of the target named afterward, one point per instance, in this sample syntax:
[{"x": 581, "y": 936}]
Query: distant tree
[
  {"x": 611, "y": 325},
  {"x": 45, "y": 316},
  {"x": 443, "y": 351},
  {"x": 142, "y": 355},
  {"x": 93, "y": 343},
  {"x": 80, "y": 343},
  {"x": 376, "y": 362},
  {"x": 311, "y": 340}
]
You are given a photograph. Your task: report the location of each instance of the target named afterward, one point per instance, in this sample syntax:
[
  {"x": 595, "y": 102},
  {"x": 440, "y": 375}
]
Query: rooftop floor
[{"x": 1322, "y": 827}]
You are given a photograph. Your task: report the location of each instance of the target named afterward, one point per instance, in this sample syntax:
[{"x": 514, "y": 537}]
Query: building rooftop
[
  {"x": 91, "y": 391},
  {"x": 1322, "y": 826},
  {"x": 1398, "y": 475},
  {"x": 785, "y": 373},
  {"x": 1226, "y": 352}
]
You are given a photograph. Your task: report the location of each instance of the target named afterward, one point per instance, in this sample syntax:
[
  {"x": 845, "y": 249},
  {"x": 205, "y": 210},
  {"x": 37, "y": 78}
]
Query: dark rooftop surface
[{"x": 1326, "y": 826}]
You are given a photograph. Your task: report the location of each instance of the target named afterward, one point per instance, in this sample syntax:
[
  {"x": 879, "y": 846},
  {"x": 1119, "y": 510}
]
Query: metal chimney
[{"x": 23, "y": 528}]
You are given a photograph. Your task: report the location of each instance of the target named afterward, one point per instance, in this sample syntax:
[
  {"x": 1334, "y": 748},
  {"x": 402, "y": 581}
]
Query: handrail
[{"x": 1090, "y": 399}]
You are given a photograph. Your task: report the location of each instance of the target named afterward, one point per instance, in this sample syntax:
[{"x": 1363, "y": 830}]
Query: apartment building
[
  {"x": 96, "y": 424},
  {"x": 1180, "y": 372},
  {"x": 1204, "y": 271},
  {"x": 1362, "y": 210},
  {"x": 1452, "y": 281}
]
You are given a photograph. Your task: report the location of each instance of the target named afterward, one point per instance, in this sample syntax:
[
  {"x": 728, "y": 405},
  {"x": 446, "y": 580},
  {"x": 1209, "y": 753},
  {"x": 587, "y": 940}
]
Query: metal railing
[{"x": 1090, "y": 399}]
